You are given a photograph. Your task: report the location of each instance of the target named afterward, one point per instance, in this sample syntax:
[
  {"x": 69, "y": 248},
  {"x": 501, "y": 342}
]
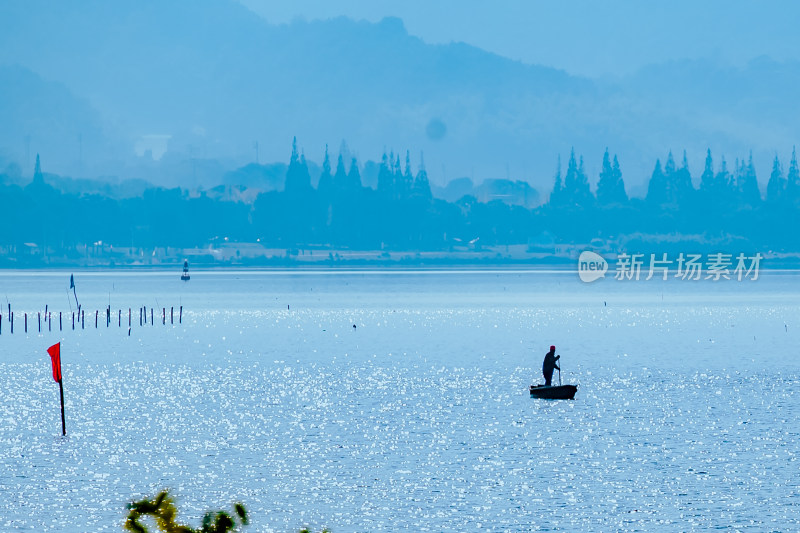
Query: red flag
[{"x": 55, "y": 357}]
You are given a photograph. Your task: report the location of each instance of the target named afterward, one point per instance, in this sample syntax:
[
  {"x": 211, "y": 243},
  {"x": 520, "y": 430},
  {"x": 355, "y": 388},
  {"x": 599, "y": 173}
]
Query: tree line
[
  {"x": 400, "y": 213},
  {"x": 725, "y": 206}
]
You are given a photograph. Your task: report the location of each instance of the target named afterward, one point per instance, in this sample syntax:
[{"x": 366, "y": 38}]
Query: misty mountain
[
  {"x": 208, "y": 79},
  {"x": 38, "y": 113}
]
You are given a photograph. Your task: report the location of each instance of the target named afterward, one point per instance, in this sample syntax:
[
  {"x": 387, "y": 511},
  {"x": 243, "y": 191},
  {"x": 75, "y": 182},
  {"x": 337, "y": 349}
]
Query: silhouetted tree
[
  {"x": 340, "y": 178},
  {"x": 385, "y": 178},
  {"x": 557, "y": 195},
  {"x": 776, "y": 187},
  {"x": 422, "y": 187},
  {"x": 747, "y": 183},
  {"x": 707, "y": 178},
  {"x": 658, "y": 192},
  {"x": 724, "y": 192},
  {"x": 621, "y": 195},
  {"x": 610, "y": 187},
  {"x": 397, "y": 178},
  {"x": 793, "y": 180},
  {"x": 354, "y": 177},
  {"x": 682, "y": 183},
  {"x": 576, "y": 184},
  {"x": 325, "y": 185},
  {"x": 298, "y": 180},
  {"x": 405, "y": 181},
  {"x": 163, "y": 511},
  {"x": 38, "y": 177}
]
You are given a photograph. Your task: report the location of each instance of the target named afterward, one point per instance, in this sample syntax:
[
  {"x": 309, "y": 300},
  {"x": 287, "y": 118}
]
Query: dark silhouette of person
[{"x": 549, "y": 365}]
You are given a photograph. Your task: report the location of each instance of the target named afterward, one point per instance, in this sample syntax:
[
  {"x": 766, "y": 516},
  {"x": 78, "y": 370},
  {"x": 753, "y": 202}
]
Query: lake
[{"x": 418, "y": 418}]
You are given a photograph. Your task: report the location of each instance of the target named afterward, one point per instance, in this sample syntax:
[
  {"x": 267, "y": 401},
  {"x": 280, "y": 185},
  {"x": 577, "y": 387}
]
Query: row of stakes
[{"x": 48, "y": 318}]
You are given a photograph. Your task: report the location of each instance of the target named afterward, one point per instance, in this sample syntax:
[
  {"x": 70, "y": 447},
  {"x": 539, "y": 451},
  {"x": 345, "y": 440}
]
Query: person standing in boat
[{"x": 549, "y": 365}]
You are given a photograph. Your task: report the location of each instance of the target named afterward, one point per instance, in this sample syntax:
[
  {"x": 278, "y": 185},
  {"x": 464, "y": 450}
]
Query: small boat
[
  {"x": 554, "y": 392},
  {"x": 185, "y": 275}
]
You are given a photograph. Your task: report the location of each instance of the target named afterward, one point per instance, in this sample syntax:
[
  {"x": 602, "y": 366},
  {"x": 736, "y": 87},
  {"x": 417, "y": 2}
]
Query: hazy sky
[{"x": 586, "y": 37}]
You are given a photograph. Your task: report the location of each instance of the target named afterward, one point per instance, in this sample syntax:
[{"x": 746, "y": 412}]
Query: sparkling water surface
[{"x": 417, "y": 419}]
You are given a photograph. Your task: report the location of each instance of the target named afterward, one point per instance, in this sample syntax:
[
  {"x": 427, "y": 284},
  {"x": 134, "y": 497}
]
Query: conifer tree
[
  {"x": 576, "y": 184},
  {"x": 406, "y": 181},
  {"x": 776, "y": 187},
  {"x": 385, "y": 179},
  {"x": 669, "y": 167},
  {"x": 422, "y": 186},
  {"x": 657, "y": 191},
  {"x": 325, "y": 185},
  {"x": 747, "y": 184},
  {"x": 670, "y": 177},
  {"x": 298, "y": 180},
  {"x": 38, "y": 177},
  {"x": 354, "y": 177},
  {"x": 793, "y": 180},
  {"x": 619, "y": 191},
  {"x": 724, "y": 191},
  {"x": 707, "y": 178},
  {"x": 583, "y": 191},
  {"x": 397, "y": 177},
  {"x": 606, "y": 185},
  {"x": 683, "y": 189},
  {"x": 340, "y": 178},
  {"x": 557, "y": 195}
]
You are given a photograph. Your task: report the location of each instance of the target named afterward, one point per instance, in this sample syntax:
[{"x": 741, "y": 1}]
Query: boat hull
[{"x": 557, "y": 392}]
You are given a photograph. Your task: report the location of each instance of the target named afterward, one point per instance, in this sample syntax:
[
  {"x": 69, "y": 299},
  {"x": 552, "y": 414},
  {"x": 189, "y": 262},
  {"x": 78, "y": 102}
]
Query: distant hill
[
  {"x": 214, "y": 78},
  {"x": 37, "y": 115}
]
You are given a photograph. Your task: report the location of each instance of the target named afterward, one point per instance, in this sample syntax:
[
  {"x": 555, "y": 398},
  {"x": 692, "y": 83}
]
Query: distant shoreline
[{"x": 249, "y": 256}]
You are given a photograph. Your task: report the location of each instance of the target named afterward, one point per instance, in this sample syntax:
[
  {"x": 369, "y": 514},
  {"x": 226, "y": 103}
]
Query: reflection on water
[{"x": 418, "y": 419}]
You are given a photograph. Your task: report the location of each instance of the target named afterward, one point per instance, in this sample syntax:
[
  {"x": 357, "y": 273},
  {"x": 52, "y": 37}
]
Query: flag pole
[
  {"x": 55, "y": 356},
  {"x": 63, "y": 424}
]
